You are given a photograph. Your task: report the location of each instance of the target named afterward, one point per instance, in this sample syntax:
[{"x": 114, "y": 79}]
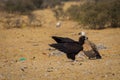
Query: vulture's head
[
  {"x": 82, "y": 37},
  {"x": 82, "y": 33}
]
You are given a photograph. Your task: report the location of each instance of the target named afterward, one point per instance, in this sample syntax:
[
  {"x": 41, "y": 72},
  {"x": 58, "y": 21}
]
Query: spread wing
[{"x": 62, "y": 39}]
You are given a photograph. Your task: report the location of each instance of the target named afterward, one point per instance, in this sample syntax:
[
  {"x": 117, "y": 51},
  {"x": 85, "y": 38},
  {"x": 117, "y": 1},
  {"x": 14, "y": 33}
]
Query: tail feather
[{"x": 98, "y": 56}]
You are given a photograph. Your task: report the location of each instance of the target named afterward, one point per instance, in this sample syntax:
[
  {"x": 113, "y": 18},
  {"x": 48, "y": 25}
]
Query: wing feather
[{"x": 62, "y": 39}]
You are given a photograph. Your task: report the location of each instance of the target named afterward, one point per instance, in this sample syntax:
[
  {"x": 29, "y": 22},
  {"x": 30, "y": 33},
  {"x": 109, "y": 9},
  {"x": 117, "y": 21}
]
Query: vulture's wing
[
  {"x": 67, "y": 47},
  {"x": 70, "y": 49},
  {"x": 62, "y": 39}
]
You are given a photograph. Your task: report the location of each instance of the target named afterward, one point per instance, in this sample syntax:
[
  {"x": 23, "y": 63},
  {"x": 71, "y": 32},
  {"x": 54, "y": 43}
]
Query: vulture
[
  {"x": 70, "y": 47},
  {"x": 90, "y": 50}
]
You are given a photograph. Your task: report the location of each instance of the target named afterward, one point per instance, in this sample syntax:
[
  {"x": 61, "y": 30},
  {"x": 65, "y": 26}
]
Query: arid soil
[{"x": 25, "y": 54}]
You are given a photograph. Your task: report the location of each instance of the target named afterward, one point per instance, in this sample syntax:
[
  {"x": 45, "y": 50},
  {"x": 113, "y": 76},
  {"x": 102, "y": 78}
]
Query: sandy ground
[{"x": 24, "y": 54}]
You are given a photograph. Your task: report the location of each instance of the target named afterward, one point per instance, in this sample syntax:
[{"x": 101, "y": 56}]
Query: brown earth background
[{"x": 25, "y": 54}]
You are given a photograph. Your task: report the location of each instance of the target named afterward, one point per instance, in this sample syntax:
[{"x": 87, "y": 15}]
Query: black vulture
[{"x": 69, "y": 46}]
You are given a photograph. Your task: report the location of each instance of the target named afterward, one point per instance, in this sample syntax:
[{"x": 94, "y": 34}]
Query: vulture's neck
[{"x": 81, "y": 41}]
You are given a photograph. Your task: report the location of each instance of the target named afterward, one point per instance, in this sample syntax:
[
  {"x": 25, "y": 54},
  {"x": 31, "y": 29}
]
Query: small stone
[
  {"x": 72, "y": 63},
  {"x": 80, "y": 63},
  {"x": 23, "y": 68},
  {"x": 33, "y": 57},
  {"x": 56, "y": 53},
  {"x": 51, "y": 49},
  {"x": 101, "y": 47},
  {"x": 113, "y": 74},
  {"x": 50, "y": 69},
  {"x": 58, "y": 24},
  {"x": 44, "y": 53},
  {"x": 35, "y": 44}
]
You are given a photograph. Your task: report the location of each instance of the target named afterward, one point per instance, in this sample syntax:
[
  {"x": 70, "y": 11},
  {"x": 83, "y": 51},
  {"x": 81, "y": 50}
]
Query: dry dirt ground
[{"x": 25, "y": 54}]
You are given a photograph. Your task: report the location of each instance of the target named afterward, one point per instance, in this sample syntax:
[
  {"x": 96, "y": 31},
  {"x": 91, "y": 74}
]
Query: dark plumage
[{"x": 69, "y": 46}]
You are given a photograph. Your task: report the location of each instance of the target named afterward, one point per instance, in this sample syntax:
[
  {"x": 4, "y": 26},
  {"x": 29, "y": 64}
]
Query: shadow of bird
[{"x": 70, "y": 47}]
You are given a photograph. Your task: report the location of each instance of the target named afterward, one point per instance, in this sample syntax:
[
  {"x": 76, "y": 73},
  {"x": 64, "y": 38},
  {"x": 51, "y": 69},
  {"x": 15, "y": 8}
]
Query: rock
[
  {"x": 51, "y": 49},
  {"x": 36, "y": 44},
  {"x": 23, "y": 68},
  {"x": 101, "y": 46},
  {"x": 56, "y": 53},
  {"x": 80, "y": 63},
  {"x": 44, "y": 53},
  {"x": 58, "y": 24},
  {"x": 50, "y": 69},
  {"x": 33, "y": 58}
]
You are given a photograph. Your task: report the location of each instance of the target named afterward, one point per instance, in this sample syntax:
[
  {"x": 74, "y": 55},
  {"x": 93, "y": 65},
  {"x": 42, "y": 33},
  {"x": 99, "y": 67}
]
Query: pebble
[
  {"x": 35, "y": 44},
  {"x": 58, "y": 24},
  {"x": 56, "y": 53},
  {"x": 101, "y": 47},
  {"x": 23, "y": 68},
  {"x": 50, "y": 69},
  {"x": 33, "y": 58},
  {"x": 80, "y": 63},
  {"x": 51, "y": 49}
]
